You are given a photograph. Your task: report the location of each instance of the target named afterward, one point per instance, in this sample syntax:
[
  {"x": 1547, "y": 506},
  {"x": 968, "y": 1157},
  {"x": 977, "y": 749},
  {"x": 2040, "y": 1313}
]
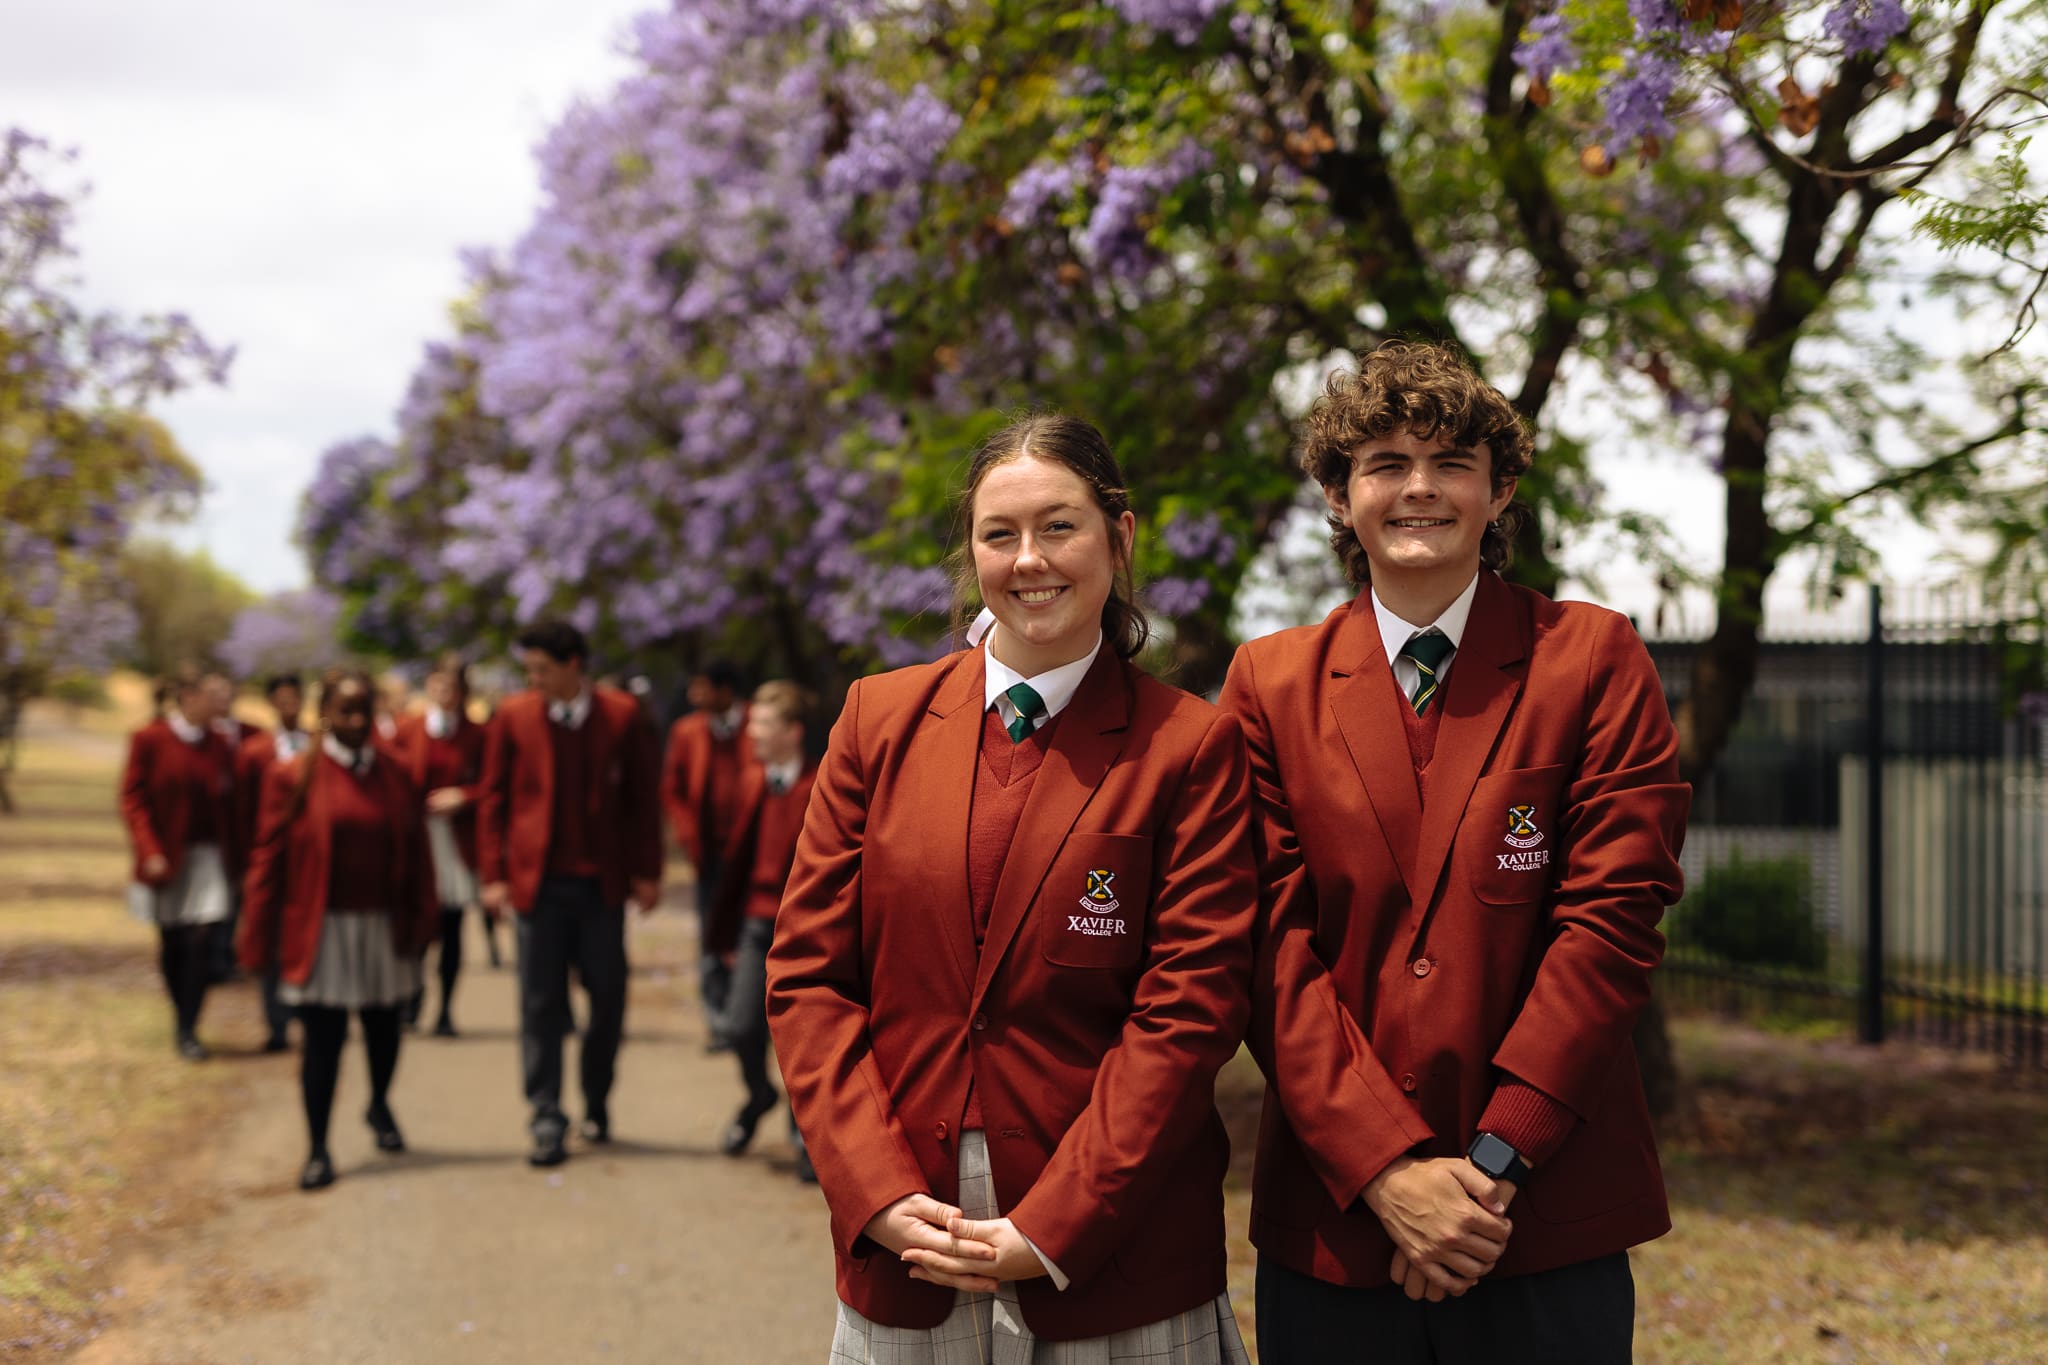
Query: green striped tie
[
  {"x": 1428, "y": 650},
  {"x": 1030, "y": 706}
]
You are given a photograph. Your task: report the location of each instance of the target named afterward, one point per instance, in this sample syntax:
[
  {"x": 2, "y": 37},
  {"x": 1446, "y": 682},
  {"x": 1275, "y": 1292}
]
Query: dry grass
[
  {"x": 1831, "y": 1204},
  {"x": 93, "y": 1104}
]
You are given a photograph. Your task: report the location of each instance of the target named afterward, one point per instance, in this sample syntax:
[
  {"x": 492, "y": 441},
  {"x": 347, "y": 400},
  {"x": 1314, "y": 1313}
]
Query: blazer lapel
[
  {"x": 953, "y": 736},
  {"x": 1089, "y": 737},
  {"x": 1367, "y": 705},
  {"x": 1486, "y": 677}
]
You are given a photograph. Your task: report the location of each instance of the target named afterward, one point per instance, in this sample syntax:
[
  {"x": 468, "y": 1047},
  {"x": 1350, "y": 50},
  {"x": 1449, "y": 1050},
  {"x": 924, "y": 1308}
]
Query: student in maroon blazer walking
[
  {"x": 568, "y": 830},
  {"x": 339, "y": 893},
  {"x": 178, "y": 801},
  {"x": 1014, "y": 951},
  {"x": 773, "y": 793},
  {"x": 1470, "y": 817},
  {"x": 443, "y": 752},
  {"x": 261, "y": 750},
  {"x": 700, "y": 785}
]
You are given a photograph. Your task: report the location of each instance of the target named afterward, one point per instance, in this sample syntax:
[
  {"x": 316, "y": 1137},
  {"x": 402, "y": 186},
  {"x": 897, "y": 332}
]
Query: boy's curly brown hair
[{"x": 1426, "y": 390}]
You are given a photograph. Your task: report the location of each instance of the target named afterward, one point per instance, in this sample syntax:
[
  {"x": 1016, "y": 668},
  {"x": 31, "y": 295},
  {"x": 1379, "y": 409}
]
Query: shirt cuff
[
  {"x": 1059, "y": 1281},
  {"x": 1528, "y": 1120}
]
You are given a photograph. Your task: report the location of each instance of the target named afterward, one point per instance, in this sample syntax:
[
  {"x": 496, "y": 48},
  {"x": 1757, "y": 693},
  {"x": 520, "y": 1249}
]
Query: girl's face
[
  {"x": 1046, "y": 558},
  {"x": 443, "y": 693},
  {"x": 349, "y": 711}
]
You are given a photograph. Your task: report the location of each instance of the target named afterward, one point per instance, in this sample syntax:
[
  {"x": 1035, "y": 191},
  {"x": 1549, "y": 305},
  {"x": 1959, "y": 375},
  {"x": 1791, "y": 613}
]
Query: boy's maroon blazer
[
  {"x": 730, "y": 907},
  {"x": 1411, "y": 956},
  {"x": 686, "y": 780},
  {"x": 516, "y": 811},
  {"x": 461, "y": 764},
  {"x": 156, "y": 787},
  {"x": 1110, "y": 987}
]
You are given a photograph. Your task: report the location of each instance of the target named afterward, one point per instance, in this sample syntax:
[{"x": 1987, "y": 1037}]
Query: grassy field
[
  {"x": 1832, "y": 1204},
  {"x": 96, "y": 1113}
]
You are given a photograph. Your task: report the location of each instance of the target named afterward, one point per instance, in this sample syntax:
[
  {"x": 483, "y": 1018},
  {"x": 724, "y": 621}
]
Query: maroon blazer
[
  {"x": 729, "y": 908},
  {"x": 515, "y": 814},
  {"x": 156, "y": 791},
  {"x": 686, "y": 781},
  {"x": 284, "y": 895},
  {"x": 1409, "y": 956},
  {"x": 1111, "y": 986},
  {"x": 463, "y": 767}
]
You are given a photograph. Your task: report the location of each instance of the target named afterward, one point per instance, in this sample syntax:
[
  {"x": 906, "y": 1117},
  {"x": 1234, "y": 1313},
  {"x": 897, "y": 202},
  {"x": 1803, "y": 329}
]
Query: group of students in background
[
  {"x": 329, "y": 859},
  {"x": 1006, "y": 931}
]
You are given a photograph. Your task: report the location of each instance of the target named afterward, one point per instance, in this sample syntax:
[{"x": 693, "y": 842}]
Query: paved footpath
[{"x": 656, "y": 1248}]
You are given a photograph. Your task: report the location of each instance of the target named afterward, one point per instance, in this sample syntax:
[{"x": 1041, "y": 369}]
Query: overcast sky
[{"x": 299, "y": 177}]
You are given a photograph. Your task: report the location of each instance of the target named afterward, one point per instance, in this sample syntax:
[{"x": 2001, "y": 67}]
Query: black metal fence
[{"x": 1872, "y": 848}]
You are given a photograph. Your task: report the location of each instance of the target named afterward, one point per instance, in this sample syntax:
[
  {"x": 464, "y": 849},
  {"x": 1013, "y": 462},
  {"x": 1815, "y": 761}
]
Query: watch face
[{"x": 1491, "y": 1155}]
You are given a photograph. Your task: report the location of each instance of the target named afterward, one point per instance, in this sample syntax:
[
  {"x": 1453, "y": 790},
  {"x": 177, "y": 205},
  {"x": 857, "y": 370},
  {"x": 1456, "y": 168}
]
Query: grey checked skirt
[
  {"x": 200, "y": 894},
  {"x": 988, "y": 1329},
  {"x": 357, "y": 967}
]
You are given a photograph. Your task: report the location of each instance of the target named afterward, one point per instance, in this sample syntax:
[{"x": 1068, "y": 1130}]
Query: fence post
[{"x": 1870, "y": 1013}]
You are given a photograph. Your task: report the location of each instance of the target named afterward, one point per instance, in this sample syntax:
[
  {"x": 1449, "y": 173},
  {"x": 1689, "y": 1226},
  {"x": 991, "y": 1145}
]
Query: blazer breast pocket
[
  {"x": 1508, "y": 841},
  {"x": 1094, "y": 898}
]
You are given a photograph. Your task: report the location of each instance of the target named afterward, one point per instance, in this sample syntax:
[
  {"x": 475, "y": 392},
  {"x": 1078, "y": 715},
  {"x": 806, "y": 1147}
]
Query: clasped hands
[
  {"x": 1448, "y": 1221},
  {"x": 943, "y": 1246}
]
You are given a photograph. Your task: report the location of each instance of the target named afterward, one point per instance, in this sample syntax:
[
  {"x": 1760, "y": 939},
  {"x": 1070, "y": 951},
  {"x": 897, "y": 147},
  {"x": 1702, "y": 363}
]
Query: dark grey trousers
[
  {"x": 746, "y": 1012},
  {"x": 570, "y": 925},
  {"x": 714, "y": 978}
]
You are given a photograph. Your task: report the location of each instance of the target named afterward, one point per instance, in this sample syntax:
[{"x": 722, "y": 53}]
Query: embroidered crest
[
  {"x": 1101, "y": 898},
  {"x": 1522, "y": 831}
]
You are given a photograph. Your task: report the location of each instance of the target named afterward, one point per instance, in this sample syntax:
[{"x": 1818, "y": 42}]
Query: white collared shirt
[
  {"x": 357, "y": 761},
  {"x": 783, "y": 776},
  {"x": 290, "y": 744},
  {"x": 725, "y": 724},
  {"x": 182, "y": 728},
  {"x": 1055, "y": 687},
  {"x": 1396, "y": 633},
  {"x": 440, "y": 723},
  {"x": 571, "y": 713}
]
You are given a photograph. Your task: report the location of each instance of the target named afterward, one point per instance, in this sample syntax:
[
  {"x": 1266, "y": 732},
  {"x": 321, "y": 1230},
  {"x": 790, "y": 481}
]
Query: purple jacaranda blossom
[
  {"x": 1638, "y": 97},
  {"x": 1865, "y": 26},
  {"x": 1181, "y": 20},
  {"x": 1546, "y": 47},
  {"x": 1175, "y": 597},
  {"x": 297, "y": 631}
]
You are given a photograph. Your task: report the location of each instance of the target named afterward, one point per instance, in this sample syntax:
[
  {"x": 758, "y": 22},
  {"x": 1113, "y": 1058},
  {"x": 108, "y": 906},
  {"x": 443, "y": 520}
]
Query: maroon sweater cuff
[{"x": 1527, "y": 1120}]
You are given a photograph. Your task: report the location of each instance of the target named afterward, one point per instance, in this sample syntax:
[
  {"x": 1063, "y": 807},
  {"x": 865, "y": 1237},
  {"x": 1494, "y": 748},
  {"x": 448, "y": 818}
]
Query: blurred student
[
  {"x": 178, "y": 801},
  {"x": 773, "y": 793},
  {"x": 700, "y": 783},
  {"x": 262, "y": 750},
  {"x": 443, "y": 750},
  {"x": 569, "y": 830},
  {"x": 234, "y": 732},
  {"x": 339, "y": 890}
]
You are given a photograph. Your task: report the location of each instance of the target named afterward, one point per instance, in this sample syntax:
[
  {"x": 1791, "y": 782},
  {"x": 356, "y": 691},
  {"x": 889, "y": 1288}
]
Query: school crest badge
[
  {"x": 1522, "y": 830},
  {"x": 1101, "y": 898}
]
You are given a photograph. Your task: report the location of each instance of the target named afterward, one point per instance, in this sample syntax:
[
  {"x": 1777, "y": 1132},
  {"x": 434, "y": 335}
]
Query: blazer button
[
  {"x": 1422, "y": 966},
  {"x": 980, "y": 1021},
  {"x": 1407, "y": 1083},
  {"x": 939, "y": 1130}
]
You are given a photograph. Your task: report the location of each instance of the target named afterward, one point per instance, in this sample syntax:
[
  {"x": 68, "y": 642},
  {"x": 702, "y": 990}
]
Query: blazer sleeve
[
  {"x": 642, "y": 773},
  {"x": 1352, "y": 1120},
  {"x": 420, "y": 895},
  {"x": 494, "y": 801},
  {"x": 675, "y": 792},
  {"x": 1622, "y": 828},
  {"x": 264, "y": 885},
  {"x": 1188, "y": 1014},
  {"x": 135, "y": 799},
  {"x": 818, "y": 1005}
]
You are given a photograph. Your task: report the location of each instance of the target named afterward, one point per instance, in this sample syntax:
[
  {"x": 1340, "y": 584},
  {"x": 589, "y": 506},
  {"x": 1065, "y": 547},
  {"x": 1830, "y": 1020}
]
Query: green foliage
[
  {"x": 1757, "y": 913},
  {"x": 185, "y": 604}
]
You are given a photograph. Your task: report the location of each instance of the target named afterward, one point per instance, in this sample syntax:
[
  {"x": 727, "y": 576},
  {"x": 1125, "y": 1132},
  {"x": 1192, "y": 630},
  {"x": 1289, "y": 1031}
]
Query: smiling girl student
[{"x": 1013, "y": 953}]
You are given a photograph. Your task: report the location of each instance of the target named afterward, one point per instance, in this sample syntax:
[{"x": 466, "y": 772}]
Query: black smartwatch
[{"x": 1497, "y": 1160}]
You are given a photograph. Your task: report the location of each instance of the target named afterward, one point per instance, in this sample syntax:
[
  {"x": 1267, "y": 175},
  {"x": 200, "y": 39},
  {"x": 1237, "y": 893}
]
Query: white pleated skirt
[
  {"x": 988, "y": 1329},
  {"x": 199, "y": 894},
  {"x": 454, "y": 883},
  {"x": 357, "y": 967}
]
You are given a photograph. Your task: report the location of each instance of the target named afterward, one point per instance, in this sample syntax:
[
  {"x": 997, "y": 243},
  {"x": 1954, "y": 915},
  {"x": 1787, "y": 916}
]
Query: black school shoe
[
  {"x": 191, "y": 1049},
  {"x": 548, "y": 1150},
  {"x": 389, "y": 1139},
  {"x": 319, "y": 1172},
  {"x": 597, "y": 1127},
  {"x": 739, "y": 1134}
]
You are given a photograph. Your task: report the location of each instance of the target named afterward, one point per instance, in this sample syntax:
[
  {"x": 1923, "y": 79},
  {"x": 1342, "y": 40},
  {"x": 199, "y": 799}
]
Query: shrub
[{"x": 1758, "y": 912}]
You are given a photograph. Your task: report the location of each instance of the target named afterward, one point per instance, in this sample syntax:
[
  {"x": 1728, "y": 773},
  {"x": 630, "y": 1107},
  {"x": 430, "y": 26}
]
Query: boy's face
[
  {"x": 289, "y": 703},
  {"x": 775, "y": 739},
  {"x": 1419, "y": 505}
]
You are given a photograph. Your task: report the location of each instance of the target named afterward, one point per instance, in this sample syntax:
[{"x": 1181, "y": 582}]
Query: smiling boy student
[{"x": 1469, "y": 819}]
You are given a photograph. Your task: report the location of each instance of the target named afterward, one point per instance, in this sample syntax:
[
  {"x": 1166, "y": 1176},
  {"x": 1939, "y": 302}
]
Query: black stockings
[
  {"x": 183, "y": 956},
  {"x": 326, "y": 1030}
]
